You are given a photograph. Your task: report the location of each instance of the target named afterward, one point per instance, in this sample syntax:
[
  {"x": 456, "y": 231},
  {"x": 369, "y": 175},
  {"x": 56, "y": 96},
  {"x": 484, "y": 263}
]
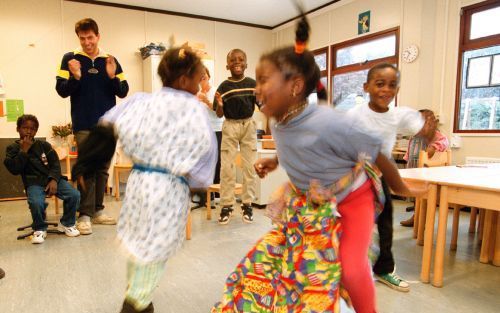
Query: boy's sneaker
[
  {"x": 39, "y": 236},
  {"x": 70, "y": 231},
  {"x": 225, "y": 215},
  {"x": 247, "y": 213},
  {"x": 85, "y": 228},
  {"x": 394, "y": 281}
]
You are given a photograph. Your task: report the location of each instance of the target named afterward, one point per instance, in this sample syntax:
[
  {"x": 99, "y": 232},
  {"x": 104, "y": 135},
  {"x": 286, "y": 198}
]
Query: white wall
[
  {"x": 430, "y": 81},
  {"x": 29, "y": 71}
]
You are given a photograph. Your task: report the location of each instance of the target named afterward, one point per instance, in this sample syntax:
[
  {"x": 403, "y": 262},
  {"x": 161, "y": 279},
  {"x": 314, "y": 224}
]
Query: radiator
[{"x": 480, "y": 160}]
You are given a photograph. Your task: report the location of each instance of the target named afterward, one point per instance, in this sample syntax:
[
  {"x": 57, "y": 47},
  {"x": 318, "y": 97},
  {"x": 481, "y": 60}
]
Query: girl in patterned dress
[
  {"x": 300, "y": 264},
  {"x": 168, "y": 136}
]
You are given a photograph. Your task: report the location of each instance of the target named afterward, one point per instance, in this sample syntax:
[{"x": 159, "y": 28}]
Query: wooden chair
[
  {"x": 238, "y": 189},
  {"x": 438, "y": 159}
]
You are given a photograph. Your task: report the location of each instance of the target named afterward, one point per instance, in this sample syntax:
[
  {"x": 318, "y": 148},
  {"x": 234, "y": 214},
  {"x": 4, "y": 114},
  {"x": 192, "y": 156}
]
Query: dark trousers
[
  {"x": 36, "y": 201},
  {"x": 203, "y": 195},
  {"x": 93, "y": 197},
  {"x": 385, "y": 261}
]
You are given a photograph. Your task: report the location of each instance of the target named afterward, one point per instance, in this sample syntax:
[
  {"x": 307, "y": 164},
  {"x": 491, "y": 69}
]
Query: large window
[
  {"x": 351, "y": 61},
  {"x": 477, "y": 107}
]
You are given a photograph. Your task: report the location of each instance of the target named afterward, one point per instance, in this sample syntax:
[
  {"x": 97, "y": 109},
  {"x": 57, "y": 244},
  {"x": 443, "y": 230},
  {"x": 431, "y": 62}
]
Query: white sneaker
[
  {"x": 85, "y": 228},
  {"x": 38, "y": 236},
  {"x": 70, "y": 231}
]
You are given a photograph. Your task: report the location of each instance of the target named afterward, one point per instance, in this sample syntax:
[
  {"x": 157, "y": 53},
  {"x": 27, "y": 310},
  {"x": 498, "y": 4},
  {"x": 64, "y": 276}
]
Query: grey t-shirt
[{"x": 322, "y": 144}]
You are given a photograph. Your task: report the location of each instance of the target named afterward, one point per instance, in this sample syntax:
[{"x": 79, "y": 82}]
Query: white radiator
[{"x": 480, "y": 160}]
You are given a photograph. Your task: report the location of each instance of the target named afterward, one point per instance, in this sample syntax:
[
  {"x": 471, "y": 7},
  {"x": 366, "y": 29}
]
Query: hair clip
[
  {"x": 182, "y": 53},
  {"x": 300, "y": 47},
  {"x": 319, "y": 86}
]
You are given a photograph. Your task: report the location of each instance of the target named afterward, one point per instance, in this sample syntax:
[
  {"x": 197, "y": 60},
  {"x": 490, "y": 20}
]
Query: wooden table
[{"x": 472, "y": 186}]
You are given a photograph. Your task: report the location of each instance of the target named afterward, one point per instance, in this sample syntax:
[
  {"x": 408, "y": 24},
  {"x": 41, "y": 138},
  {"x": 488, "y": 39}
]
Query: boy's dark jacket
[{"x": 30, "y": 165}]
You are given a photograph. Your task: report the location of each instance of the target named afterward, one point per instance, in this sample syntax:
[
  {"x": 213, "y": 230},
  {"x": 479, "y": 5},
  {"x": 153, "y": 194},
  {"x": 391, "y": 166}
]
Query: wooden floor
[{"x": 87, "y": 274}]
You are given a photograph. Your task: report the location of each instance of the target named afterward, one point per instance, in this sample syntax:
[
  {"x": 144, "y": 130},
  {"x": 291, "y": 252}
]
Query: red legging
[{"x": 357, "y": 220}]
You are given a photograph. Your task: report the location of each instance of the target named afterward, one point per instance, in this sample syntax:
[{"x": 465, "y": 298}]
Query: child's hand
[
  {"x": 75, "y": 68},
  {"x": 111, "y": 67},
  {"x": 415, "y": 191},
  {"x": 203, "y": 98},
  {"x": 51, "y": 188},
  {"x": 218, "y": 98},
  {"x": 26, "y": 143},
  {"x": 265, "y": 166}
]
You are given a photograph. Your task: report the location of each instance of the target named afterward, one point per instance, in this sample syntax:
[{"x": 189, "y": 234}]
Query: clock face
[{"x": 410, "y": 53}]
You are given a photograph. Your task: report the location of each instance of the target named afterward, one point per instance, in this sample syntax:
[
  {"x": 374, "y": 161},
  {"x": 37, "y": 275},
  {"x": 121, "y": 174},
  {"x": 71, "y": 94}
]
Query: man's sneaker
[
  {"x": 69, "y": 231},
  {"x": 39, "y": 236},
  {"x": 104, "y": 220},
  {"x": 394, "y": 281},
  {"x": 247, "y": 213},
  {"x": 85, "y": 228},
  {"x": 225, "y": 215}
]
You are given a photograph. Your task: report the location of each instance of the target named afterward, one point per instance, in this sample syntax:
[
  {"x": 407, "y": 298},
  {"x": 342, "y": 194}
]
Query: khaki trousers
[{"x": 236, "y": 133}]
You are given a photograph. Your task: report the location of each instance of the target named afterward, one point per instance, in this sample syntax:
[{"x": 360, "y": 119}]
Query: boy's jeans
[{"x": 65, "y": 192}]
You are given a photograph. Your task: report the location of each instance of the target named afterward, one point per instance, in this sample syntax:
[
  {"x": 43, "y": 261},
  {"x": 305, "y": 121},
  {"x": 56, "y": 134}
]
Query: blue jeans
[{"x": 65, "y": 192}]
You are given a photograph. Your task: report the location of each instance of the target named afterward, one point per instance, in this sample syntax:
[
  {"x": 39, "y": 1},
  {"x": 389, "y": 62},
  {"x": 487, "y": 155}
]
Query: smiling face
[
  {"x": 272, "y": 90},
  {"x": 383, "y": 85},
  {"x": 88, "y": 41},
  {"x": 236, "y": 64}
]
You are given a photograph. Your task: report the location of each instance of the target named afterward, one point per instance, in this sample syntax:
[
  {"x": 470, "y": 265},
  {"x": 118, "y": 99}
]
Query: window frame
[
  {"x": 324, "y": 73},
  {"x": 466, "y": 44},
  {"x": 334, "y": 70}
]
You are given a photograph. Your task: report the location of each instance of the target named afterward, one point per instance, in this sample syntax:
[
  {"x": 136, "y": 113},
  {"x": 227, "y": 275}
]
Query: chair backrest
[{"x": 438, "y": 159}]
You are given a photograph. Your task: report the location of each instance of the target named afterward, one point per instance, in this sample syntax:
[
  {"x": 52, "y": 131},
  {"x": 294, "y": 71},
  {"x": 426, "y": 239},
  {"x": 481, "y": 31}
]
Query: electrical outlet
[{"x": 455, "y": 142}]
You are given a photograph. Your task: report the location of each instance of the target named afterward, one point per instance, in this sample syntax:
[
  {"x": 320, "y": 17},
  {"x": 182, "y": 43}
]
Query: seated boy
[{"x": 38, "y": 165}]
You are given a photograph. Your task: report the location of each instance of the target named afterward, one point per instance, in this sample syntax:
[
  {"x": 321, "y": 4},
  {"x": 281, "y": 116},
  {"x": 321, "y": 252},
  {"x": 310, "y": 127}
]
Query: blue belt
[{"x": 151, "y": 169}]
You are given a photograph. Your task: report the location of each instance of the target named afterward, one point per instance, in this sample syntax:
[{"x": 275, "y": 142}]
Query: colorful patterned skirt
[{"x": 293, "y": 268}]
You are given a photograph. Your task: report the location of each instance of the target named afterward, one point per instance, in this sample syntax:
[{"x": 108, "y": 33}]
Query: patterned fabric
[
  {"x": 142, "y": 279},
  {"x": 168, "y": 131},
  {"x": 295, "y": 267},
  {"x": 417, "y": 144}
]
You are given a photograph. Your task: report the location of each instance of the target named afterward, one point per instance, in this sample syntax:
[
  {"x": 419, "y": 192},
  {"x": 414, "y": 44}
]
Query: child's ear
[
  {"x": 298, "y": 85},
  {"x": 365, "y": 86}
]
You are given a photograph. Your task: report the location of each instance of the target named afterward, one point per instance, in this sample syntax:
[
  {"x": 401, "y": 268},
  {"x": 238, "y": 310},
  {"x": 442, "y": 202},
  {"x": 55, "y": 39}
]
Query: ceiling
[{"x": 268, "y": 13}]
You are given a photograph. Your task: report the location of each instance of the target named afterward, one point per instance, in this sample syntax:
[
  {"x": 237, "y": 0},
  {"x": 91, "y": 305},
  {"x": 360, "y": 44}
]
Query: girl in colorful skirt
[
  {"x": 324, "y": 217},
  {"x": 168, "y": 136}
]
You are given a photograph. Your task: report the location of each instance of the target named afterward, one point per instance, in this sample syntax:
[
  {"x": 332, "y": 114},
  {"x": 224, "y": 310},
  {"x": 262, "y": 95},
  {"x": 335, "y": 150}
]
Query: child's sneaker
[
  {"x": 70, "y": 231},
  {"x": 394, "y": 281},
  {"x": 247, "y": 213},
  {"x": 225, "y": 215},
  {"x": 39, "y": 236}
]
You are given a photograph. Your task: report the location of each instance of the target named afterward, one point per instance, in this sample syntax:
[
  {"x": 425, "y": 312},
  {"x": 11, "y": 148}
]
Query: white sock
[{"x": 84, "y": 218}]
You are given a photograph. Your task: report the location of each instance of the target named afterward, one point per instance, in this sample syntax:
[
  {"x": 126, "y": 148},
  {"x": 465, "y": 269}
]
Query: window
[
  {"x": 351, "y": 61},
  {"x": 477, "y": 108},
  {"x": 321, "y": 58}
]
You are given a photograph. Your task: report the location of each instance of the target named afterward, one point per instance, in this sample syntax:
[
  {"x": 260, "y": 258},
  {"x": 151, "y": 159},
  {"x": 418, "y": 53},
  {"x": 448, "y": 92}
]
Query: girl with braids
[
  {"x": 300, "y": 264},
  {"x": 168, "y": 136}
]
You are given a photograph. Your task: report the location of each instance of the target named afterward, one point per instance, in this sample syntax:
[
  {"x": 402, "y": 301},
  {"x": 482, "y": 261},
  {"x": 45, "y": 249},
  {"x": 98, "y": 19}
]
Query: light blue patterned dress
[{"x": 168, "y": 137}]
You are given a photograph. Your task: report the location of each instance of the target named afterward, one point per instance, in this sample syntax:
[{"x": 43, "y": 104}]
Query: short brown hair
[{"x": 85, "y": 25}]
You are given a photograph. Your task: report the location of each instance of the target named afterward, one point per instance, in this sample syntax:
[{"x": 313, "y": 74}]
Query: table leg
[
  {"x": 209, "y": 205},
  {"x": 117, "y": 184},
  {"x": 485, "y": 245},
  {"x": 441, "y": 237},
  {"x": 424, "y": 203},
  {"x": 454, "y": 232},
  {"x": 491, "y": 249},
  {"x": 416, "y": 216},
  {"x": 188, "y": 225},
  {"x": 429, "y": 233},
  {"x": 496, "y": 254},
  {"x": 472, "y": 223}
]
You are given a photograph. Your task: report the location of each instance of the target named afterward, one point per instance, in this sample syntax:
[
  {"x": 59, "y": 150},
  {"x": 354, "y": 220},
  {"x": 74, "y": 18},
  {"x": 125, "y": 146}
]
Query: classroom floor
[{"x": 87, "y": 274}]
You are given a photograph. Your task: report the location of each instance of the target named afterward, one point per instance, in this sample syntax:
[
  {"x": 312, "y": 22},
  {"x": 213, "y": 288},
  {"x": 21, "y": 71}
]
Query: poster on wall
[
  {"x": 14, "y": 108},
  {"x": 364, "y": 23},
  {"x": 1, "y": 108}
]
